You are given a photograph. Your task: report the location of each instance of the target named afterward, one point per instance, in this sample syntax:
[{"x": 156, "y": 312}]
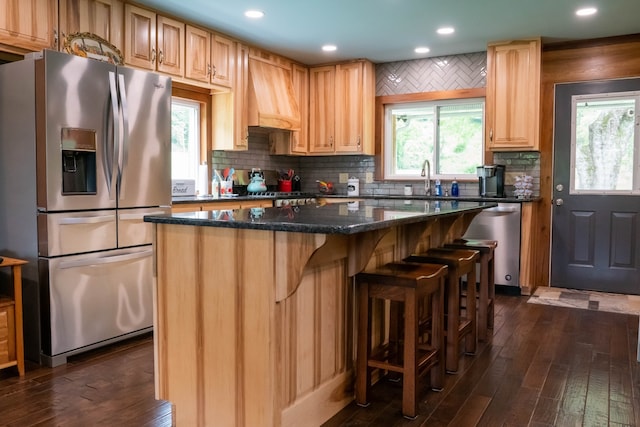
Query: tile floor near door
[{"x": 544, "y": 366}]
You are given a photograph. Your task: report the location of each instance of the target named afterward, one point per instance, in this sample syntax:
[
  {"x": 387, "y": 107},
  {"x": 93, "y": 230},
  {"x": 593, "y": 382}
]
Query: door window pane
[{"x": 604, "y": 148}]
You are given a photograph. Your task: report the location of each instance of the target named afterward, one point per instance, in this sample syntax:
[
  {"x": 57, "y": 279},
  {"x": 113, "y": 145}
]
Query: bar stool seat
[
  {"x": 487, "y": 286},
  {"x": 461, "y": 263},
  {"x": 406, "y": 283}
]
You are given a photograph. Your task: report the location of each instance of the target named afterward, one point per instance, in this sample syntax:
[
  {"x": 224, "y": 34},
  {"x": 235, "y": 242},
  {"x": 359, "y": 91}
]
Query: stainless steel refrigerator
[{"x": 84, "y": 155}]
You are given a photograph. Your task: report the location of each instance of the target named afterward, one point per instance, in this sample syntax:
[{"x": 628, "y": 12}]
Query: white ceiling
[{"x": 389, "y": 30}]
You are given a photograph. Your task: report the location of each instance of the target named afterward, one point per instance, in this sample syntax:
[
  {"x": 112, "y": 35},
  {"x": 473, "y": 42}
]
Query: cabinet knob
[
  {"x": 215, "y": 71},
  {"x": 160, "y": 57},
  {"x": 491, "y": 135},
  {"x": 153, "y": 55},
  {"x": 208, "y": 69}
]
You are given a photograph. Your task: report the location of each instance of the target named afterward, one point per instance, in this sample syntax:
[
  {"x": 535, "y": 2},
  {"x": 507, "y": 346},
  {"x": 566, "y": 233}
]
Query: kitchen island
[{"x": 254, "y": 308}]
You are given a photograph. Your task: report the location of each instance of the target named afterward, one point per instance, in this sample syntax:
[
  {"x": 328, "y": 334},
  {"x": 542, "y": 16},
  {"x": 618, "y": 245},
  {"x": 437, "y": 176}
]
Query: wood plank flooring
[{"x": 544, "y": 366}]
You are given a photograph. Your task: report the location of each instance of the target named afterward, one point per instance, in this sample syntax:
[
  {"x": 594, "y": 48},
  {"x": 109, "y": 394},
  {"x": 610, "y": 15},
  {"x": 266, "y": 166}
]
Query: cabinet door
[
  {"x": 348, "y": 107},
  {"x": 229, "y": 112},
  {"x": 513, "y": 95},
  {"x": 300, "y": 139},
  {"x": 140, "y": 37},
  {"x": 198, "y": 54},
  {"x": 29, "y": 25},
  {"x": 170, "y": 46},
  {"x": 240, "y": 93},
  {"x": 321, "y": 109},
  {"x": 103, "y": 18},
  {"x": 223, "y": 60}
]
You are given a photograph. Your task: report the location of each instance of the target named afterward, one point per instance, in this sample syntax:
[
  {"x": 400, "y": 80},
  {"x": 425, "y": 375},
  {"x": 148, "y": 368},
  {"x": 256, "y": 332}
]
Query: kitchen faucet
[{"x": 427, "y": 182}]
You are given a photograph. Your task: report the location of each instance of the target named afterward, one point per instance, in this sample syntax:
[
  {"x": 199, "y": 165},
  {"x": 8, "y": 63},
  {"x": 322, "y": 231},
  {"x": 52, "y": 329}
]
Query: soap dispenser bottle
[
  {"x": 438, "y": 188},
  {"x": 455, "y": 191}
]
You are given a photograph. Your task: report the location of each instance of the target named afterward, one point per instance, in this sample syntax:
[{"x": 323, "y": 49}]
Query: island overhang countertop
[{"x": 331, "y": 218}]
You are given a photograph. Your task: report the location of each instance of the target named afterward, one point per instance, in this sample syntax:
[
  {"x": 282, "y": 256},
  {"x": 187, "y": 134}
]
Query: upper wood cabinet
[
  {"x": 210, "y": 57},
  {"x": 103, "y": 18},
  {"x": 300, "y": 139},
  {"x": 513, "y": 95},
  {"x": 341, "y": 108},
  {"x": 229, "y": 112},
  {"x": 28, "y": 25},
  {"x": 153, "y": 42},
  {"x": 223, "y": 54}
]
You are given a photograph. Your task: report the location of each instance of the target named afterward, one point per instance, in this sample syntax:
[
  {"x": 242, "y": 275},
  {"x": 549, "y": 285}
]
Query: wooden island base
[{"x": 256, "y": 327}]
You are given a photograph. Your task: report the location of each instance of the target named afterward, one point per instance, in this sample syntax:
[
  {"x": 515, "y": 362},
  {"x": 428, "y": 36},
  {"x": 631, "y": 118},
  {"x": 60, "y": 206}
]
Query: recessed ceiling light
[
  {"x": 255, "y": 14},
  {"x": 329, "y": 47},
  {"x": 587, "y": 11},
  {"x": 421, "y": 50},
  {"x": 445, "y": 30}
]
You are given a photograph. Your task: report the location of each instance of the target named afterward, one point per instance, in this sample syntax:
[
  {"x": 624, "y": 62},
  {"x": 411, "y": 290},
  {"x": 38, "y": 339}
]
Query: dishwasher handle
[{"x": 500, "y": 211}]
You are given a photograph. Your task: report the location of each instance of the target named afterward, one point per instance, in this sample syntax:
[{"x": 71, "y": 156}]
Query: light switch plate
[{"x": 343, "y": 178}]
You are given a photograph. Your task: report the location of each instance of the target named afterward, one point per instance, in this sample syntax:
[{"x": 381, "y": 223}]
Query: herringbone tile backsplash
[{"x": 432, "y": 74}]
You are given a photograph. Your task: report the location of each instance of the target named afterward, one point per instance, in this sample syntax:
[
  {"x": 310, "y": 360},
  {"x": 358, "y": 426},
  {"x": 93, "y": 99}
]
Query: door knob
[
  {"x": 559, "y": 202},
  {"x": 559, "y": 187}
]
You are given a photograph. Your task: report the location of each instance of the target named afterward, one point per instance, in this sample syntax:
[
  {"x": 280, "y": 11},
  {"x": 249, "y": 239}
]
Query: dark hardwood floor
[{"x": 544, "y": 366}]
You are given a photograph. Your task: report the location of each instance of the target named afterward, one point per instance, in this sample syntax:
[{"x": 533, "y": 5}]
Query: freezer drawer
[
  {"x": 96, "y": 297},
  {"x": 76, "y": 232},
  {"x": 132, "y": 230}
]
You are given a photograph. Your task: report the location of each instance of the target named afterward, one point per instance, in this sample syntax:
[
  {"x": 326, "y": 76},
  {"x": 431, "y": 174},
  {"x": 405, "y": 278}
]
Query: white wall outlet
[
  {"x": 343, "y": 178},
  {"x": 368, "y": 178}
]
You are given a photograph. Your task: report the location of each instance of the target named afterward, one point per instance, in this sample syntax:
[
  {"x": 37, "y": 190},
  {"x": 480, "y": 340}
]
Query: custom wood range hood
[{"x": 271, "y": 97}]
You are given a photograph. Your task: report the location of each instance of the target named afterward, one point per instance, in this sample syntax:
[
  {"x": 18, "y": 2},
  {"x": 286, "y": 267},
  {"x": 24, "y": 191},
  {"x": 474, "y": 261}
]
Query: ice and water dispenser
[{"x": 78, "y": 161}]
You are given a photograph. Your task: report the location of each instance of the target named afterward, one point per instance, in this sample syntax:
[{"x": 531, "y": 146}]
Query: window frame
[{"x": 382, "y": 102}]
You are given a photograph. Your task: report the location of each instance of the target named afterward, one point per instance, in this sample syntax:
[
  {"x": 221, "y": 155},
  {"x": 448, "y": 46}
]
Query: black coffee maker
[{"x": 491, "y": 180}]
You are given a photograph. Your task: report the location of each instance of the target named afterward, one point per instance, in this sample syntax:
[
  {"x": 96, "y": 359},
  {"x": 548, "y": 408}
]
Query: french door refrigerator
[{"x": 84, "y": 155}]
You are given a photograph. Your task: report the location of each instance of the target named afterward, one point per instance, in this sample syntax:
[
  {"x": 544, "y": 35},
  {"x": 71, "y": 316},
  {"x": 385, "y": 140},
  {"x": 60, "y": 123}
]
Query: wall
[
  {"x": 599, "y": 59},
  {"x": 402, "y": 77}
]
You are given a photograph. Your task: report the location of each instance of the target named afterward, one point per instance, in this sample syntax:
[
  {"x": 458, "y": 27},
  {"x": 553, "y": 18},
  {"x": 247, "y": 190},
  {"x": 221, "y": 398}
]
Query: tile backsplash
[{"x": 422, "y": 75}]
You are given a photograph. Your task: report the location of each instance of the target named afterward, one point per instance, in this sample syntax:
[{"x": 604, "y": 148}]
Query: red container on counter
[{"x": 284, "y": 186}]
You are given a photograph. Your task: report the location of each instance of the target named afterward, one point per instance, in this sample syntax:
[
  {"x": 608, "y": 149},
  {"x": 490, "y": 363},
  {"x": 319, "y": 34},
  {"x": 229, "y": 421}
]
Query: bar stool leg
[
  {"x": 437, "y": 334},
  {"x": 471, "y": 340},
  {"x": 363, "y": 377},
  {"x": 483, "y": 309},
  {"x": 410, "y": 375},
  {"x": 453, "y": 320}
]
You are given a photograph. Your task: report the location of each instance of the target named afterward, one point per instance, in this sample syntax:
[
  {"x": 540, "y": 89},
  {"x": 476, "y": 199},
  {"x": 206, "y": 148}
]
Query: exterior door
[{"x": 596, "y": 187}]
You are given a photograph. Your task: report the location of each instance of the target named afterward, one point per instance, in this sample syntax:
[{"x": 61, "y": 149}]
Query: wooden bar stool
[
  {"x": 460, "y": 262},
  {"x": 406, "y": 283},
  {"x": 487, "y": 287}
]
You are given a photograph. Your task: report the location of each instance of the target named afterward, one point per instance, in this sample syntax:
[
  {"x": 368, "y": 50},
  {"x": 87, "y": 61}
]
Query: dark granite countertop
[{"x": 330, "y": 218}]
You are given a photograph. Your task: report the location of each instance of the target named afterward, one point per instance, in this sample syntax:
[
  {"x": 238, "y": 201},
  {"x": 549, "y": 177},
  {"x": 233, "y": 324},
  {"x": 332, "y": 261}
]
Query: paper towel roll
[
  {"x": 202, "y": 185},
  {"x": 353, "y": 187}
]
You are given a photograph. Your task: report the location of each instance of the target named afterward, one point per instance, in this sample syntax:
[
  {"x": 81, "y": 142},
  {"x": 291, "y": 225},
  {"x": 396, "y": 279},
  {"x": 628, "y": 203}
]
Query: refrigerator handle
[
  {"x": 86, "y": 220},
  {"x": 94, "y": 262},
  {"x": 116, "y": 135},
  {"x": 124, "y": 149}
]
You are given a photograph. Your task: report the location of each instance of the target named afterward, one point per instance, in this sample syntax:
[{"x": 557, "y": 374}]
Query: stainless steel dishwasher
[{"x": 501, "y": 223}]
